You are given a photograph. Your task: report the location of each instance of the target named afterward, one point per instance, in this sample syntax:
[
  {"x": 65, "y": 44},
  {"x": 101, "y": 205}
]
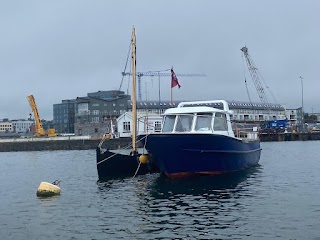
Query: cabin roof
[{"x": 186, "y": 110}]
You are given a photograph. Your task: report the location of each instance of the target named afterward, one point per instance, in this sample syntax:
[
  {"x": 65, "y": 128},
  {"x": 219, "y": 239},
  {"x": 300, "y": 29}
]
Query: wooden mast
[{"x": 134, "y": 92}]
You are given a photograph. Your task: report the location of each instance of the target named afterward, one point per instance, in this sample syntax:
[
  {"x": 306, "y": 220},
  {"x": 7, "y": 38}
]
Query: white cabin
[
  {"x": 194, "y": 118},
  {"x": 198, "y": 118},
  {"x": 147, "y": 123}
]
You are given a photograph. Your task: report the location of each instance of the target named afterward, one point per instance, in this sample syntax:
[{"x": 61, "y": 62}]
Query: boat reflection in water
[
  {"x": 163, "y": 187},
  {"x": 157, "y": 185},
  {"x": 200, "y": 207}
]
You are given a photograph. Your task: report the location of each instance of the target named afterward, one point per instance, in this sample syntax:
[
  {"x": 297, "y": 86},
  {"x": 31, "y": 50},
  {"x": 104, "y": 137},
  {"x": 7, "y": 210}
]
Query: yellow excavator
[{"x": 39, "y": 131}]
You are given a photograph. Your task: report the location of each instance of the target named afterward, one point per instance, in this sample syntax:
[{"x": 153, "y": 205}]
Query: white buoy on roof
[{"x": 47, "y": 189}]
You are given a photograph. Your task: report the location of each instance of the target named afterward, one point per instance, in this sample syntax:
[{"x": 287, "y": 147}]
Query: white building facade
[
  {"x": 147, "y": 123},
  {"x": 244, "y": 112},
  {"x": 21, "y": 126},
  {"x": 292, "y": 115},
  {"x": 6, "y": 126}
]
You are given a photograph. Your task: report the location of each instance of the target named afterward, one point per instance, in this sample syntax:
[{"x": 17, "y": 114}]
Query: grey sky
[{"x": 63, "y": 49}]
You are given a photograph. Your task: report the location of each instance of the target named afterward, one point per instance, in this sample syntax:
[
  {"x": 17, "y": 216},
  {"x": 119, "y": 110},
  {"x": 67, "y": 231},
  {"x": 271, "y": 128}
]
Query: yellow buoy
[
  {"x": 47, "y": 189},
  {"x": 143, "y": 159}
]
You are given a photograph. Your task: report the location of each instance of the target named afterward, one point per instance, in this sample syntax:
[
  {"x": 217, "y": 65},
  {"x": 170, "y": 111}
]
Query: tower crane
[
  {"x": 39, "y": 131},
  {"x": 159, "y": 74},
  {"x": 255, "y": 75}
]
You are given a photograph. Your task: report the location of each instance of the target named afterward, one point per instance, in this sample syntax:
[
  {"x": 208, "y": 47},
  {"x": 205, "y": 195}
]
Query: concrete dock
[
  {"x": 276, "y": 137},
  {"x": 51, "y": 144},
  {"x": 85, "y": 142}
]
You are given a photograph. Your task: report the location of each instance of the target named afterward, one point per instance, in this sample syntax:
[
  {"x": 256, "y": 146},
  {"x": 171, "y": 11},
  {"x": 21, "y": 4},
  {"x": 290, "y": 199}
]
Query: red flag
[{"x": 174, "y": 79}]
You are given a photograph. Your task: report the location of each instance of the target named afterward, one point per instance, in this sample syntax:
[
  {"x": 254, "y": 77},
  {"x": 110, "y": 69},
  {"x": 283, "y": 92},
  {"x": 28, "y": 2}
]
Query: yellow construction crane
[{"x": 39, "y": 131}]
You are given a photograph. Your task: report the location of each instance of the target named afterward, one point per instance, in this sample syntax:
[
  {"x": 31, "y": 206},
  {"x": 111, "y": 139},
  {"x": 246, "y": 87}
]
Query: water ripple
[{"x": 277, "y": 199}]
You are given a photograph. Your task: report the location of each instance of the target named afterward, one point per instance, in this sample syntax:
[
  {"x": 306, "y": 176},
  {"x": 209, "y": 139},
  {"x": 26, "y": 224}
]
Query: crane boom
[
  {"x": 255, "y": 75},
  {"x": 159, "y": 74},
  {"x": 39, "y": 131}
]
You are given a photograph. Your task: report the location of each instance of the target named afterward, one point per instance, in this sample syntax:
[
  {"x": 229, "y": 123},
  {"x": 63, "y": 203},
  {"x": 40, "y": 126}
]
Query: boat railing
[
  {"x": 204, "y": 103},
  {"x": 244, "y": 132}
]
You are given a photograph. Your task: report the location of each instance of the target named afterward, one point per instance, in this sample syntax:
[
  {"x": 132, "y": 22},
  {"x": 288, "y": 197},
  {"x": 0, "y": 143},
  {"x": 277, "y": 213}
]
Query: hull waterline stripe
[
  {"x": 187, "y": 174},
  {"x": 221, "y": 151}
]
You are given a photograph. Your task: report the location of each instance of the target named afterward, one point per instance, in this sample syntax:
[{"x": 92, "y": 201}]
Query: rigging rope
[
  {"x": 129, "y": 145},
  {"x": 129, "y": 80},
  {"x": 125, "y": 67}
]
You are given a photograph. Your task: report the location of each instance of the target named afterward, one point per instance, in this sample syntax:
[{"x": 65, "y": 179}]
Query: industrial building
[
  {"x": 89, "y": 115},
  {"x": 64, "y": 116},
  {"x": 93, "y": 114}
]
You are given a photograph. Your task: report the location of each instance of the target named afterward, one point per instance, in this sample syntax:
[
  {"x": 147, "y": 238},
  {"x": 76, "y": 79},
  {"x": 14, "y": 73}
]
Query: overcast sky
[{"x": 64, "y": 49}]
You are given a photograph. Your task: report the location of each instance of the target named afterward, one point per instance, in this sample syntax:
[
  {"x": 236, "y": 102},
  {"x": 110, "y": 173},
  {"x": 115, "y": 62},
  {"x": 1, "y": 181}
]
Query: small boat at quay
[{"x": 197, "y": 138}]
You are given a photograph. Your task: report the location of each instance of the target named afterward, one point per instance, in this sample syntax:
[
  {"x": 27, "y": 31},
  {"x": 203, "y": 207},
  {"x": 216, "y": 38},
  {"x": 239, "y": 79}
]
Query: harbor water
[{"x": 279, "y": 198}]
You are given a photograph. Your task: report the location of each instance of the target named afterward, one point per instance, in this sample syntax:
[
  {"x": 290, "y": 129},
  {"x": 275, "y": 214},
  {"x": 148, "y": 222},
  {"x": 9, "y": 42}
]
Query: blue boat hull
[{"x": 179, "y": 155}]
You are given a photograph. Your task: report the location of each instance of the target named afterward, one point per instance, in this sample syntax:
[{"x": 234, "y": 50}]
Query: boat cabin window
[
  {"x": 203, "y": 122},
  {"x": 184, "y": 123},
  {"x": 168, "y": 123},
  {"x": 220, "y": 122}
]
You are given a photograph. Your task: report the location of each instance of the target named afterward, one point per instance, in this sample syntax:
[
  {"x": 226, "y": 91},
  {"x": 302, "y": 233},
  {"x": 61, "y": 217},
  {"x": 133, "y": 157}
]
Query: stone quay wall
[{"x": 83, "y": 144}]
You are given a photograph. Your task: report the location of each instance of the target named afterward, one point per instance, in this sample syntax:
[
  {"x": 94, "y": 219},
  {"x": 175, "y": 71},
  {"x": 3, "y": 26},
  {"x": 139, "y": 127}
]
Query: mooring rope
[
  {"x": 145, "y": 143},
  {"x": 137, "y": 170}
]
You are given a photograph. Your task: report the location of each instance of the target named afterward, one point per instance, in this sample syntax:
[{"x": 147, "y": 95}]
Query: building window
[
  {"x": 157, "y": 126},
  {"x": 126, "y": 126},
  {"x": 82, "y": 107},
  {"x": 95, "y": 119}
]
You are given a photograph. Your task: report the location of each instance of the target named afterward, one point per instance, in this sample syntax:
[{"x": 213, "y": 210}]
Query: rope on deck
[{"x": 119, "y": 153}]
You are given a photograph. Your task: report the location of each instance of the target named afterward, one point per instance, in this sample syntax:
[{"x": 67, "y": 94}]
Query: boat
[
  {"x": 197, "y": 138},
  {"x": 130, "y": 161}
]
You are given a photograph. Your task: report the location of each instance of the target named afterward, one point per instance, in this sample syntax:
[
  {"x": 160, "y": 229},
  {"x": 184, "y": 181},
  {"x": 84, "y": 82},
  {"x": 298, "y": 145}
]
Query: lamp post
[{"x": 302, "y": 118}]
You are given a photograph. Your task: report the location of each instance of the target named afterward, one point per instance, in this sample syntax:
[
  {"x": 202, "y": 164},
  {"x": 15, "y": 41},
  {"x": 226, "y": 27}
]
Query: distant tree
[{"x": 310, "y": 118}]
